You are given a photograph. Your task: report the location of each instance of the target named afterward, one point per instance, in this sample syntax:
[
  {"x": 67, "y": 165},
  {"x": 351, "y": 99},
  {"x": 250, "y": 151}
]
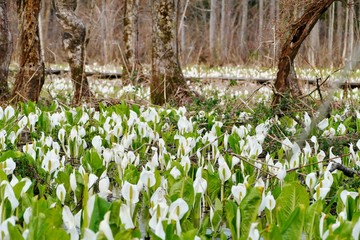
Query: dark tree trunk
[
  {"x": 286, "y": 80},
  {"x": 74, "y": 46},
  {"x": 5, "y": 50},
  {"x": 167, "y": 83},
  {"x": 31, "y": 76},
  {"x": 131, "y": 32}
]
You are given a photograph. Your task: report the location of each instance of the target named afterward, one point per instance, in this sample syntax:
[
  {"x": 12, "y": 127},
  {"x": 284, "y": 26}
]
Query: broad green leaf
[
  {"x": 14, "y": 232},
  {"x": 249, "y": 208},
  {"x": 17, "y": 188},
  {"x": 170, "y": 231},
  {"x": 312, "y": 217},
  {"x": 230, "y": 213},
  {"x": 292, "y": 195},
  {"x": 129, "y": 234},
  {"x": 342, "y": 232},
  {"x": 214, "y": 184},
  {"x": 189, "y": 234},
  {"x": 10, "y": 154},
  {"x": 93, "y": 160},
  {"x": 183, "y": 189},
  {"x": 293, "y": 227},
  {"x": 101, "y": 206},
  {"x": 131, "y": 174},
  {"x": 275, "y": 233}
]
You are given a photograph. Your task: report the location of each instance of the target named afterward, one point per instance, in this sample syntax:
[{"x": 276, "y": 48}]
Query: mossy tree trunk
[
  {"x": 131, "y": 40},
  {"x": 5, "y": 50},
  {"x": 74, "y": 46},
  {"x": 286, "y": 80},
  {"x": 167, "y": 83},
  {"x": 31, "y": 76}
]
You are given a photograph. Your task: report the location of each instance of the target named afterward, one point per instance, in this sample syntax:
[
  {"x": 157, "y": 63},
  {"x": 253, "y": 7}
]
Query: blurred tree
[
  {"x": 5, "y": 50},
  {"x": 243, "y": 29},
  {"x": 131, "y": 40},
  {"x": 167, "y": 83},
  {"x": 286, "y": 80},
  {"x": 74, "y": 45},
  {"x": 213, "y": 32},
  {"x": 31, "y": 76}
]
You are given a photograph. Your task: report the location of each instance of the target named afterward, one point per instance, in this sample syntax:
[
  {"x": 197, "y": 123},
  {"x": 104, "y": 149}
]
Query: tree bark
[
  {"x": 350, "y": 50},
  {"x": 5, "y": 50},
  {"x": 286, "y": 81},
  {"x": 331, "y": 35},
  {"x": 314, "y": 44},
  {"x": 224, "y": 33},
  {"x": 31, "y": 76},
  {"x": 261, "y": 23},
  {"x": 339, "y": 30},
  {"x": 74, "y": 45},
  {"x": 131, "y": 39},
  {"x": 167, "y": 83},
  {"x": 213, "y": 32},
  {"x": 243, "y": 26}
]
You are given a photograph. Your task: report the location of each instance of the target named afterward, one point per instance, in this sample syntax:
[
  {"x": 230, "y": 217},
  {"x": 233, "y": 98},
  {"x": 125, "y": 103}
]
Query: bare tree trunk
[
  {"x": 346, "y": 35},
  {"x": 167, "y": 83},
  {"x": 224, "y": 30},
  {"x": 351, "y": 33},
  {"x": 331, "y": 35},
  {"x": 243, "y": 27},
  {"x": 74, "y": 45},
  {"x": 183, "y": 48},
  {"x": 273, "y": 23},
  {"x": 286, "y": 81},
  {"x": 5, "y": 50},
  {"x": 213, "y": 31},
  {"x": 261, "y": 22},
  {"x": 314, "y": 44},
  {"x": 131, "y": 39},
  {"x": 339, "y": 30},
  {"x": 31, "y": 76},
  {"x": 104, "y": 32}
]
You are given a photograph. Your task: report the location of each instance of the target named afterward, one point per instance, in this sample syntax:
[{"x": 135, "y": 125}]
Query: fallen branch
[{"x": 347, "y": 171}]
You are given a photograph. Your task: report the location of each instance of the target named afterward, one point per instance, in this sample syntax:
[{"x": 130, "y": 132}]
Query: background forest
[{"x": 213, "y": 32}]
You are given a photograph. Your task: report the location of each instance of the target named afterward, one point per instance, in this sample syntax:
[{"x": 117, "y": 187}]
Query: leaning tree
[
  {"x": 5, "y": 50},
  {"x": 31, "y": 75},
  {"x": 74, "y": 45},
  {"x": 286, "y": 80},
  {"x": 167, "y": 81}
]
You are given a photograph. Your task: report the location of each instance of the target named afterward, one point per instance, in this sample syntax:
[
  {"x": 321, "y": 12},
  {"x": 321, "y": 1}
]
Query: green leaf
[
  {"x": 101, "y": 206},
  {"x": 93, "y": 160},
  {"x": 292, "y": 195},
  {"x": 10, "y": 154},
  {"x": 132, "y": 174},
  {"x": 234, "y": 143},
  {"x": 312, "y": 219},
  {"x": 17, "y": 188},
  {"x": 69, "y": 117},
  {"x": 249, "y": 208},
  {"x": 230, "y": 211},
  {"x": 170, "y": 231},
  {"x": 188, "y": 235},
  {"x": 293, "y": 227},
  {"x": 216, "y": 220},
  {"x": 183, "y": 189},
  {"x": 14, "y": 232},
  {"x": 127, "y": 234},
  {"x": 214, "y": 184},
  {"x": 275, "y": 233}
]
